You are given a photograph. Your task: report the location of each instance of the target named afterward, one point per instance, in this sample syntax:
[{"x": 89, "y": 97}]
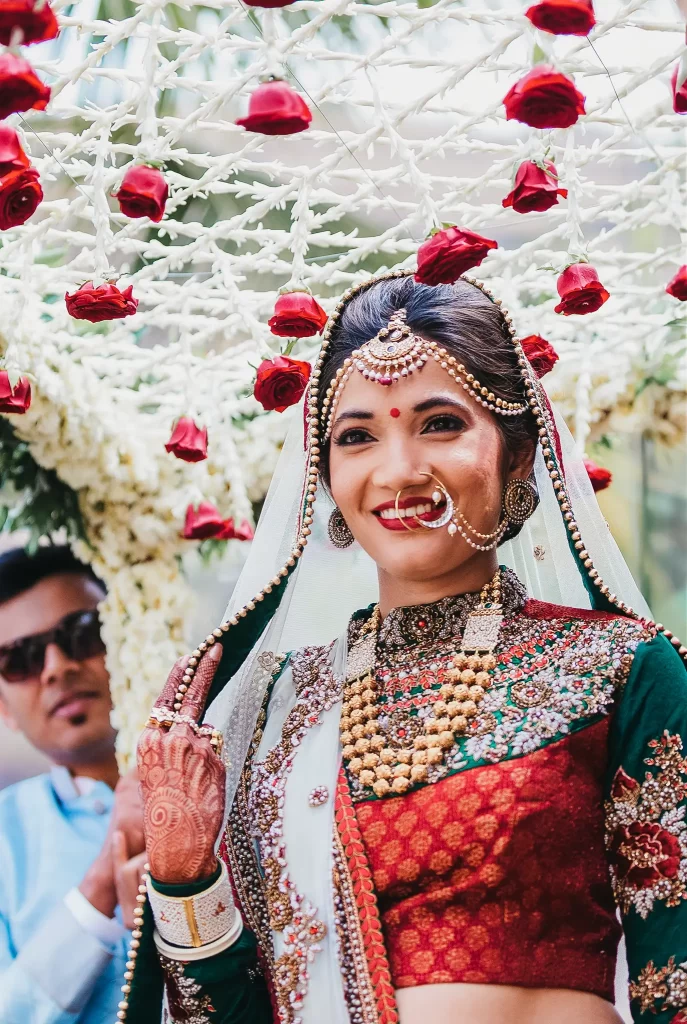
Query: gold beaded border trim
[
  {"x": 314, "y": 452},
  {"x": 430, "y": 350}
]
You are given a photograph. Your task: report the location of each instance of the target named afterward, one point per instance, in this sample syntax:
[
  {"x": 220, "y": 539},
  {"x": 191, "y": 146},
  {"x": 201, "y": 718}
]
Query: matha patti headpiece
[{"x": 394, "y": 353}]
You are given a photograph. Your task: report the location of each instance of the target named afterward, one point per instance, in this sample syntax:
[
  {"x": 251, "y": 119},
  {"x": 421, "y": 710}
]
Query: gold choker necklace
[{"x": 385, "y": 769}]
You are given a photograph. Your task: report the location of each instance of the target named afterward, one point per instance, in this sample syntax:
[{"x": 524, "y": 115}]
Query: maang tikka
[{"x": 392, "y": 355}]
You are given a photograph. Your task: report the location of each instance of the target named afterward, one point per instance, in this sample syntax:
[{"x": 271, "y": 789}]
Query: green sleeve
[
  {"x": 646, "y": 832},
  {"x": 227, "y": 988}
]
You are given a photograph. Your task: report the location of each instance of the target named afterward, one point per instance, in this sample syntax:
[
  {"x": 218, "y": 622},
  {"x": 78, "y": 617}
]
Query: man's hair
[{"x": 20, "y": 571}]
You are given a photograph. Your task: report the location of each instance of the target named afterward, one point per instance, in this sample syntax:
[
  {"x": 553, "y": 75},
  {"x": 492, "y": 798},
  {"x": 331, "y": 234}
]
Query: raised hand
[{"x": 182, "y": 784}]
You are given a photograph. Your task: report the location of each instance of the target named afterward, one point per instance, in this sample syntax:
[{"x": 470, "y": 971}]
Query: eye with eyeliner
[
  {"x": 444, "y": 423},
  {"x": 353, "y": 436}
]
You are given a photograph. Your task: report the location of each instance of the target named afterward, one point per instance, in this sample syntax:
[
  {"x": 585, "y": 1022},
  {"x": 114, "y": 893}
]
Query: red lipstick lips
[{"x": 419, "y": 508}]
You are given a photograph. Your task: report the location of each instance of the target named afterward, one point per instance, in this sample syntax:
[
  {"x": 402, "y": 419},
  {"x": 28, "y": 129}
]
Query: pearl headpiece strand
[{"x": 394, "y": 353}]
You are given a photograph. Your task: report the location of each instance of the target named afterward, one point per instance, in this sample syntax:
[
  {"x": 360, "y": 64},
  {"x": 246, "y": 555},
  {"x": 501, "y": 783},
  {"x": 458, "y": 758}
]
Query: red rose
[
  {"x": 679, "y": 95},
  {"x": 297, "y": 315},
  {"x": 563, "y": 17},
  {"x": 12, "y": 156},
  {"x": 624, "y": 788},
  {"x": 644, "y": 853},
  {"x": 281, "y": 382},
  {"x": 20, "y": 88},
  {"x": 36, "y": 21},
  {"x": 143, "y": 193},
  {"x": 678, "y": 286},
  {"x": 544, "y": 99},
  {"x": 244, "y": 532},
  {"x": 541, "y": 353},
  {"x": 600, "y": 477},
  {"x": 15, "y": 399},
  {"x": 535, "y": 188},
  {"x": 580, "y": 290},
  {"x": 449, "y": 253},
  {"x": 188, "y": 441},
  {"x": 105, "y": 302},
  {"x": 20, "y": 194},
  {"x": 205, "y": 523},
  {"x": 275, "y": 109}
]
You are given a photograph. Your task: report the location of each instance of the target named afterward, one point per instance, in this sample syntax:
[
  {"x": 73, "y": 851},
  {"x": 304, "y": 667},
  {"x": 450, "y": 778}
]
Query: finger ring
[
  {"x": 161, "y": 718},
  {"x": 217, "y": 741}
]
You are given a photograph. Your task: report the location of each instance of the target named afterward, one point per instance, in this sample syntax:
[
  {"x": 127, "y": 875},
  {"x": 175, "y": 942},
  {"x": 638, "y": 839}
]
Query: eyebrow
[{"x": 429, "y": 403}]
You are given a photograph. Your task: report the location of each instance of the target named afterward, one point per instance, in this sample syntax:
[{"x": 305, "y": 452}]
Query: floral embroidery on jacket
[
  {"x": 646, "y": 833},
  {"x": 662, "y": 988},
  {"x": 185, "y": 1003}
]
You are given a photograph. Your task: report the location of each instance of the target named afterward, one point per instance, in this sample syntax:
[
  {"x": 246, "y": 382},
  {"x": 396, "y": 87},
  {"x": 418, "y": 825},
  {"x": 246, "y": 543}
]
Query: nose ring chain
[{"x": 453, "y": 518}]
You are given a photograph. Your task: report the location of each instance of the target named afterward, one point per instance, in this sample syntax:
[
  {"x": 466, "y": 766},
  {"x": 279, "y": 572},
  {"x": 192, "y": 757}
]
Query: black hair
[
  {"x": 461, "y": 318},
  {"x": 19, "y": 571}
]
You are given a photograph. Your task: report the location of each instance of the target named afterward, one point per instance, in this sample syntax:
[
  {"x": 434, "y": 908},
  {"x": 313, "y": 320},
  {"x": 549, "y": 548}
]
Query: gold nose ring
[{"x": 441, "y": 492}]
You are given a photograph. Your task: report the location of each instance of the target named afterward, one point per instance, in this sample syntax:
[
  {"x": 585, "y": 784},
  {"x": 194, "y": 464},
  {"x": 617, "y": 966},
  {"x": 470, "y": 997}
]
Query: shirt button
[{"x": 99, "y": 807}]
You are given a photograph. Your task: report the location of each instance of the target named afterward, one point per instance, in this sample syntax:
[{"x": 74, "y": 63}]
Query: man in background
[{"x": 71, "y": 840}]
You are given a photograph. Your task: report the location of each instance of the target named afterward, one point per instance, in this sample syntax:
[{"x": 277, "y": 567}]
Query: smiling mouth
[{"x": 410, "y": 513}]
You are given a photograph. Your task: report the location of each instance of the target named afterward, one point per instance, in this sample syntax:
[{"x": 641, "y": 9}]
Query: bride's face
[{"x": 382, "y": 441}]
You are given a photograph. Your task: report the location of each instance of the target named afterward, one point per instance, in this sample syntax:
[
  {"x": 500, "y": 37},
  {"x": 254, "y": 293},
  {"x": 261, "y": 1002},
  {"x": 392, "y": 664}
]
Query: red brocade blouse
[{"x": 499, "y": 874}]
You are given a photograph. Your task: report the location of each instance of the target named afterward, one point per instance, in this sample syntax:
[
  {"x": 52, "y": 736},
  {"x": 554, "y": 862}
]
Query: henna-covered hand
[{"x": 182, "y": 784}]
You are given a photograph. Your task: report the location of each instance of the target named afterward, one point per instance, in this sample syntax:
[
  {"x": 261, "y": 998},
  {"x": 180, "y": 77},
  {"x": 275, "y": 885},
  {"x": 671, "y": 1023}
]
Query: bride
[{"x": 441, "y": 775}]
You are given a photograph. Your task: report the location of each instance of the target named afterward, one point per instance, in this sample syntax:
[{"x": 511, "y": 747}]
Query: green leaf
[{"x": 538, "y": 55}]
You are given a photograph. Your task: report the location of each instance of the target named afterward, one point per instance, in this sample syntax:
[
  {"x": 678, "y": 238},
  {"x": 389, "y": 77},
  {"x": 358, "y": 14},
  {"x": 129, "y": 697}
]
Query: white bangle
[
  {"x": 188, "y": 953},
  {"x": 195, "y": 921}
]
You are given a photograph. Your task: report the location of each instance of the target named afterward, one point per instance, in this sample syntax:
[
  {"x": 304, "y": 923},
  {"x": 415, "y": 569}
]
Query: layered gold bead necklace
[{"x": 387, "y": 769}]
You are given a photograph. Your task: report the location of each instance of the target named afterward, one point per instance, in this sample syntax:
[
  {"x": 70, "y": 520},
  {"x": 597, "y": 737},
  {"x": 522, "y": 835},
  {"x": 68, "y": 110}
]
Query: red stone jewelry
[{"x": 395, "y": 413}]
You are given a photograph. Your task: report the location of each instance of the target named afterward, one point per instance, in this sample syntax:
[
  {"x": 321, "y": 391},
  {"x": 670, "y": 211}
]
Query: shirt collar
[{"x": 67, "y": 792}]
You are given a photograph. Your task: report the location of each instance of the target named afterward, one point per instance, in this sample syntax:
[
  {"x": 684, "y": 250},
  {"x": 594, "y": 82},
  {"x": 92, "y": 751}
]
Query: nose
[
  {"x": 399, "y": 466},
  {"x": 57, "y": 665}
]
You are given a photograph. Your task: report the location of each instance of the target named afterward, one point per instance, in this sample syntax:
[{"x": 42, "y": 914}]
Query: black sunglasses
[{"x": 77, "y": 634}]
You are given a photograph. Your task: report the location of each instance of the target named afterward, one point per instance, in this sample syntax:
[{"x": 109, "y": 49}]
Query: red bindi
[{"x": 395, "y": 413}]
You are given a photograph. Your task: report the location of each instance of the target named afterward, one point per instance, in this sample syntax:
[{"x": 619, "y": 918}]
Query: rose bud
[
  {"x": 580, "y": 290},
  {"x": 563, "y": 17},
  {"x": 297, "y": 315},
  {"x": 281, "y": 382},
  {"x": 536, "y": 188},
  {"x": 599, "y": 476},
  {"x": 143, "y": 193},
  {"x": 678, "y": 286},
  {"x": 205, "y": 523},
  {"x": 543, "y": 98},
  {"x": 15, "y": 399},
  {"x": 20, "y": 194},
  {"x": 188, "y": 441},
  {"x": 541, "y": 354},
  {"x": 275, "y": 109},
  {"x": 35, "y": 19},
  {"x": 106, "y": 302},
  {"x": 20, "y": 88},
  {"x": 679, "y": 94},
  {"x": 449, "y": 253},
  {"x": 12, "y": 156}
]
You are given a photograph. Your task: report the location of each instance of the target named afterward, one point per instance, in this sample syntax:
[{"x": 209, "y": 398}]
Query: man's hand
[
  {"x": 182, "y": 784},
  {"x": 98, "y": 884},
  {"x": 127, "y": 813},
  {"x": 127, "y": 873}
]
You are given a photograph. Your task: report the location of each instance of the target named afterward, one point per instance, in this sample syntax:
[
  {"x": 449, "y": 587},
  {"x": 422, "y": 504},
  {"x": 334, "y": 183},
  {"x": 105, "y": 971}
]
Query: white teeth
[{"x": 404, "y": 513}]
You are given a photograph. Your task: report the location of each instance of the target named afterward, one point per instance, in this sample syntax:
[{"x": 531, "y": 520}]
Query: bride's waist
[{"x": 457, "y": 1003}]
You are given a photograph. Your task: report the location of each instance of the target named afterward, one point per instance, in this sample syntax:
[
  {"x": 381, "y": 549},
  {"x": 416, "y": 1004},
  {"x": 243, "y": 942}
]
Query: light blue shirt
[{"x": 53, "y": 970}]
